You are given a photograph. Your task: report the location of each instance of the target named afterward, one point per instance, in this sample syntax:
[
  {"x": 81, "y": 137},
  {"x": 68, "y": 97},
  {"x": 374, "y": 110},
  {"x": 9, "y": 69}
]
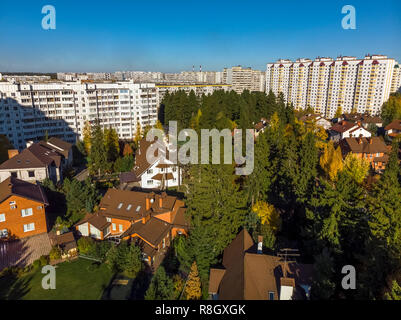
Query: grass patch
[{"x": 77, "y": 280}]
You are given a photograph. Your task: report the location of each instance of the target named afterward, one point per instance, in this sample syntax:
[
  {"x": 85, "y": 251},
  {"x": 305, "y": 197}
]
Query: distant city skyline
[{"x": 172, "y": 37}]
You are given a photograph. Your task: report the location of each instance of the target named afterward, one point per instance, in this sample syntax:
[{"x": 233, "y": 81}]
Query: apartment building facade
[
  {"x": 28, "y": 111},
  {"x": 325, "y": 84},
  {"x": 244, "y": 79}
]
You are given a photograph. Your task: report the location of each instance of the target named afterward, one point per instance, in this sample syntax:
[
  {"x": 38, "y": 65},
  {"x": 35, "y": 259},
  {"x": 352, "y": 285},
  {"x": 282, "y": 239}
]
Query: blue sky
[{"x": 171, "y": 36}]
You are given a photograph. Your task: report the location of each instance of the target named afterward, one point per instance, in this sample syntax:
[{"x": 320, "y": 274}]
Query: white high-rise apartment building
[
  {"x": 359, "y": 85},
  {"x": 27, "y": 111}
]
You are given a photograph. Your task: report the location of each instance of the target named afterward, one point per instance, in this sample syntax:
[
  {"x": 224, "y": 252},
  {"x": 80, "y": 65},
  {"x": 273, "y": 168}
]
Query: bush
[
  {"x": 36, "y": 264},
  {"x": 44, "y": 260},
  {"x": 85, "y": 245},
  {"x": 55, "y": 253}
]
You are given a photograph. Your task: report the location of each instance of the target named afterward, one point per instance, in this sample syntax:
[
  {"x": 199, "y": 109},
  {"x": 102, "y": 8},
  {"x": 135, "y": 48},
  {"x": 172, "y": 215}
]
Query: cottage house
[
  {"x": 159, "y": 174},
  {"x": 22, "y": 209},
  {"x": 39, "y": 161},
  {"x": 347, "y": 129},
  {"x": 393, "y": 129},
  {"x": 249, "y": 274},
  {"x": 373, "y": 149},
  {"x": 151, "y": 220}
]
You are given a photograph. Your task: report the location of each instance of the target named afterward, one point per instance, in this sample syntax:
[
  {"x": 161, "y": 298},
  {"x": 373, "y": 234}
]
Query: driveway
[{"x": 24, "y": 251}]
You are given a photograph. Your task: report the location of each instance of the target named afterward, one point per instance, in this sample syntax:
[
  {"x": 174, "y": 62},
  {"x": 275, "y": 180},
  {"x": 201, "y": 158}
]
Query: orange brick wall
[{"x": 15, "y": 222}]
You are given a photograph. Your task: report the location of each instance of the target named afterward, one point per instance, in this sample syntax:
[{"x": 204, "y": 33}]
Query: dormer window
[
  {"x": 138, "y": 208},
  {"x": 129, "y": 207},
  {"x": 271, "y": 295},
  {"x": 120, "y": 205}
]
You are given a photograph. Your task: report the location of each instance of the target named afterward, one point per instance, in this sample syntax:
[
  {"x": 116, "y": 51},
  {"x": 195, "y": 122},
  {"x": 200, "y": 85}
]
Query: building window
[
  {"x": 120, "y": 227},
  {"x": 26, "y": 212},
  {"x": 108, "y": 219},
  {"x": 271, "y": 295},
  {"x": 31, "y": 174},
  {"x": 150, "y": 182},
  {"x": 114, "y": 227},
  {"x": 39, "y": 207},
  {"x": 174, "y": 169},
  {"x": 3, "y": 233},
  {"x": 2, "y": 217},
  {"x": 29, "y": 227},
  {"x": 150, "y": 171}
]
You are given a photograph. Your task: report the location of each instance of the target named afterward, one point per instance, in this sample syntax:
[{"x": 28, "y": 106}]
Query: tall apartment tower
[
  {"x": 360, "y": 85},
  {"x": 341, "y": 85}
]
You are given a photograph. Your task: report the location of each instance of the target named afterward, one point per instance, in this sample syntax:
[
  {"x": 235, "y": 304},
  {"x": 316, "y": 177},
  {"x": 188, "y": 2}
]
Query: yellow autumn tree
[
  {"x": 304, "y": 127},
  {"x": 331, "y": 161},
  {"x": 159, "y": 125},
  {"x": 357, "y": 168},
  {"x": 339, "y": 112},
  {"x": 268, "y": 215},
  {"x": 195, "y": 120},
  {"x": 274, "y": 121},
  {"x": 138, "y": 134},
  {"x": 193, "y": 287},
  {"x": 87, "y": 136}
]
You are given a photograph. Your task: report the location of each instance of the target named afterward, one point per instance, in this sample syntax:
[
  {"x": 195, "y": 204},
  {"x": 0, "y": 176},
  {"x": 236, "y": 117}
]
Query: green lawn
[{"x": 78, "y": 280}]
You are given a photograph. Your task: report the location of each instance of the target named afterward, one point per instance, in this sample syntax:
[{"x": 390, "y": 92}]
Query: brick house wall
[{"x": 14, "y": 221}]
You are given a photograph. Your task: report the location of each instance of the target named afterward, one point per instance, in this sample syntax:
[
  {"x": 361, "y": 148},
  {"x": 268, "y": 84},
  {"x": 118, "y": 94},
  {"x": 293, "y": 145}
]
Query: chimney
[
  {"x": 29, "y": 143},
  {"x": 287, "y": 286},
  {"x": 161, "y": 201},
  {"x": 12, "y": 153},
  {"x": 260, "y": 244}
]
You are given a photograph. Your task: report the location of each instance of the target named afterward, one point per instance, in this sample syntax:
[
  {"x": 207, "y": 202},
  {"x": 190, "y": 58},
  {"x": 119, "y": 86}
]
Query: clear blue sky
[{"x": 171, "y": 36}]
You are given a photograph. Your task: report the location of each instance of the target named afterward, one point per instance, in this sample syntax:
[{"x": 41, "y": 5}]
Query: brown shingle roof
[
  {"x": 215, "y": 278},
  {"x": 127, "y": 177},
  {"x": 251, "y": 276},
  {"x": 13, "y": 186},
  {"x": 153, "y": 231},
  {"x": 98, "y": 221},
  {"x": 131, "y": 205},
  {"x": 57, "y": 145},
  {"x": 141, "y": 162},
  {"x": 160, "y": 176},
  {"x": 342, "y": 127},
  {"x": 377, "y": 145},
  {"x": 396, "y": 124},
  {"x": 65, "y": 241},
  {"x": 26, "y": 159},
  {"x": 180, "y": 220}
]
